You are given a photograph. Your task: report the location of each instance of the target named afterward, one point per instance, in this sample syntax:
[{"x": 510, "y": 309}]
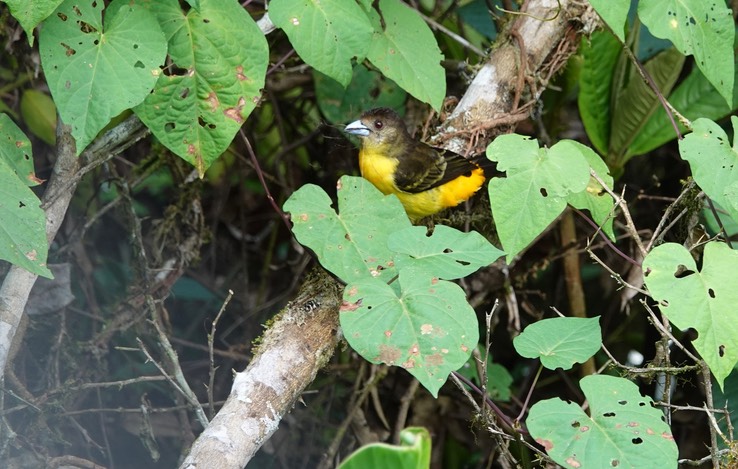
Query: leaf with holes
[
  {"x": 704, "y": 300},
  {"x": 623, "y": 430},
  {"x": 713, "y": 160},
  {"x": 703, "y": 28},
  {"x": 30, "y": 13},
  {"x": 23, "y": 228},
  {"x": 15, "y": 151},
  {"x": 536, "y": 187},
  {"x": 23, "y": 231},
  {"x": 95, "y": 69},
  {"x": 352, "y": 243},
  {"x": 326, "y": 34},
  {"x": 219, "y": 60},
  {"x": 447, "y": 253},
  {"x": 422, "y": 324},
  {"x": 560, "y": 342},
  {"x": 405, "y": 50}
]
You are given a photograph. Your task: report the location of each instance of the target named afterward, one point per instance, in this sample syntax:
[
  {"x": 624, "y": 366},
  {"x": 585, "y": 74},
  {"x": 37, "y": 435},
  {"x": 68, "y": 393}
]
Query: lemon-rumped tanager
[{"x": 425, "y": 179}]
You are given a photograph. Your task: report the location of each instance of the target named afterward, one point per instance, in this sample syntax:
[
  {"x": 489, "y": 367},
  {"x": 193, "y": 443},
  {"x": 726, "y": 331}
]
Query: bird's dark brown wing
[{"x": 424, "y": 167}]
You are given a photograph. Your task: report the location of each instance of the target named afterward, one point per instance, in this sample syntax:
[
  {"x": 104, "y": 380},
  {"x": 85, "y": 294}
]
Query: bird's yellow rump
[{"x": 425, "y": 179}]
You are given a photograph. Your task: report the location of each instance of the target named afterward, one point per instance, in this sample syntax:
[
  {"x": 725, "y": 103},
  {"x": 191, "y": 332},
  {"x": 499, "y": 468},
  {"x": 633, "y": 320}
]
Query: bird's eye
[{"x": 378, "y": 124}]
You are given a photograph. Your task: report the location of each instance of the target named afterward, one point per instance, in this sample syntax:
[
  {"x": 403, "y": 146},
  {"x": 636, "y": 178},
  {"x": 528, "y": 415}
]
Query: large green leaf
[
  {"x": 219, "y": 58},
  {"x": 714, "y": 161},
  {"x": 23, "y": 228},
  {"x": 536, "y": 187},
  {"x": 95, "y": 69},
  {"x": 427, "y": 327},
  {"x": 352, "y": 243},
  {"x": 326, "y": 34},
  {"x": 403, "y": 48},
  {"x": 560, "y": 342},
  {"x": 396, "y": 309},
  {"x": 623, "y": 430},
  {"x": 636, "y": 102},
  {"x": 701, "y": 299},
  {"x": 600, "y": 54},
  {"x": 703, "y": 28}
]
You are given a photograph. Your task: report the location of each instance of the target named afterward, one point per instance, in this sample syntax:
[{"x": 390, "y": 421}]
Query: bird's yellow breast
[{"x": 379, "y": 169}]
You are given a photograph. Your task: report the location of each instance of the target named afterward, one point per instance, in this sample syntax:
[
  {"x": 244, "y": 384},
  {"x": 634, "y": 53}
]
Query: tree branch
[{"x": 298, "y": 343}]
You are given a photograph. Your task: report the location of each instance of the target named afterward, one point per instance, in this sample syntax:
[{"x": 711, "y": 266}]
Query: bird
[{"x": 425, "y": 179}]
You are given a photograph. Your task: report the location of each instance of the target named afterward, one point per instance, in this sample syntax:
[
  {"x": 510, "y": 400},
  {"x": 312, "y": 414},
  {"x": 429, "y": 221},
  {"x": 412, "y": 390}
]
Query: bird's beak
[{"x": 357, "y": 128}]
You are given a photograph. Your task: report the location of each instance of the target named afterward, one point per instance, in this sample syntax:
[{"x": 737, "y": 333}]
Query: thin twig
[
  {"x": 211, "y": 355},
  {"x": 487, "y": 346},
  {"x": 459, "y": 384},
  {"x": 719, "y": 222},
  {"x": 700, "y": 462},
  {"x": 464, "y": 43},
  {"x": 112, "y": 384},
  {"x": 667, "y": 214},
  {"x": 280, "y": 61},
  {"x": 651, "y": 369},
  {"x": 498, "y": 412},
  {"x": 405, "y": 401},
  {"x": 620, "y": 201},
  {"x": 709, "y": 404},
  {"x": 260, "y": 174},
  {"x": 664, "y": 330},
  {"x": 135, "y": 410},
  {"x": 670, "y": 110},
  {"x": 618, "y": 278},
  {"x": 598, "y": 230},
  {"x": 179, "y": 375},
  {"x": 691, "y": 408},
  {"x": 524, "y": 407},
  {"x": 161, "y": 369},
  {"x": 330, "y": 453}
]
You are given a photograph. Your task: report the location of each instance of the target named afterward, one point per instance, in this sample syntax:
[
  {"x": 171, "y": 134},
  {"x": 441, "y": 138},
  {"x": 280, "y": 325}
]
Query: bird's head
[{"x": 378, "y": 127}]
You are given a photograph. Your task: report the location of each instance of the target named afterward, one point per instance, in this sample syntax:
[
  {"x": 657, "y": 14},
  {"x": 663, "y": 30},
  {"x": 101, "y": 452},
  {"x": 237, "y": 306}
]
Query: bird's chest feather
[{"x": 378, "y": 169}]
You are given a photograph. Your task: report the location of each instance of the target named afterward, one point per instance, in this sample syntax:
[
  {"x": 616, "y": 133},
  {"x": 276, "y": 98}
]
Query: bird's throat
[{"x": 378, "y": 169}]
